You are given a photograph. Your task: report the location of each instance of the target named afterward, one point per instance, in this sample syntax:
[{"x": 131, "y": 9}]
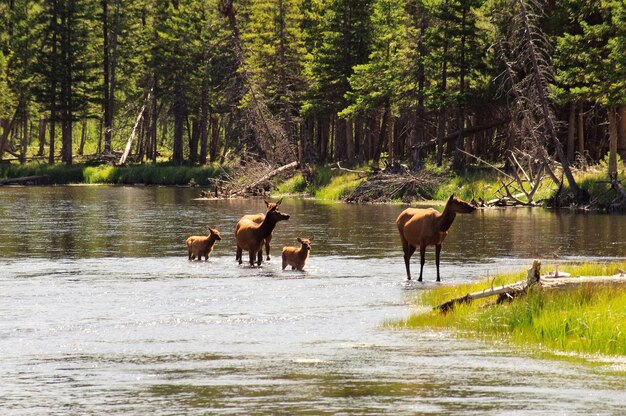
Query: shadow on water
[{"x": 102, "y": 313}]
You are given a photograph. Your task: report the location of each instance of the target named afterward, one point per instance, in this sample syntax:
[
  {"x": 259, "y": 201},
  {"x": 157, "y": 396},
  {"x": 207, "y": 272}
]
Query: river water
[{"x": 102, "y": 313}]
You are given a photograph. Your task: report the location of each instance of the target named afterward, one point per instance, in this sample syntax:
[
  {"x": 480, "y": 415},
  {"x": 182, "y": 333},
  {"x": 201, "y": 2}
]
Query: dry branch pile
[
  {"x": 252, "y": 178},
  {"x": 395, "y": 182}
]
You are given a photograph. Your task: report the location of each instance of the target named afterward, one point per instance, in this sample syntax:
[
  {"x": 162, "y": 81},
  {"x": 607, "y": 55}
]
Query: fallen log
[
  {"x": 514, "y": 289},
  {"x": 553, "y": 281},
  {"x": 25, "y": 180},
  {"x": 567, "y": 282}
]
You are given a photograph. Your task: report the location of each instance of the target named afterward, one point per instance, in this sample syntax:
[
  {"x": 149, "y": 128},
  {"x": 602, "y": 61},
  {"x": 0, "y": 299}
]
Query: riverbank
[
  {"x": 589, "y": 319},
  {"x": 159, "y": 174},
  {"x": 327, "y": 182}
]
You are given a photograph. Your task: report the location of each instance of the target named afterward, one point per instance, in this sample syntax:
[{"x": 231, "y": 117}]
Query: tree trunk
[
  {"x": 106, "y": 76},
  {"x": 581, "y": 130},
  {"x": 42, "y": 136},
  {"x": 193, "y": 142},
  {"x": 24, "y": 136},
  {"x": 441, "y": 129},
  {"x": 382, "y": 136},
  {"x": 306, "y": 141},
  {"x": 179, "y": 128},
  {"x": 83, "y": 136},
  {"x": 621, "y": 132},
  {"x": 323, "y": 137},
  {"x": 204, "y": 126},
  {"x": 571, "y": 132},
  {"x": 349, "y": 140},
  {"x": 459, "y": 157},
  {"x": 340, "y": 139},
  {"x": 215, "y": 138},
  {"x": 154, "y": 118},
  {"x": 579, "y": 194},
  {"x": 613, "y": 140}
]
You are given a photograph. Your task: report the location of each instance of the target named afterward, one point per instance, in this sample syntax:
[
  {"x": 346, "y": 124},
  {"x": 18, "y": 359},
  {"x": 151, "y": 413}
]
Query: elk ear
[
  {"x": 279, "y": 202},
  {"x": 451, "y": 197},
  {"x": 311, "y": 238},
  {"x": 267, "y": 204},
  {"x": 299, "y": 240}
]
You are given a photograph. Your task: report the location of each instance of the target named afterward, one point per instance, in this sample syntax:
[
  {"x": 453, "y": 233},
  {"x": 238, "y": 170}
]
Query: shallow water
[{"x": 101, "y": 313}]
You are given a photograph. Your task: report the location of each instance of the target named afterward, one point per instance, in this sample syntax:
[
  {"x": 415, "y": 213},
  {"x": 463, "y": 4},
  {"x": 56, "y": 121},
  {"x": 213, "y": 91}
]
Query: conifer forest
[{"x": 357, "y": 81}]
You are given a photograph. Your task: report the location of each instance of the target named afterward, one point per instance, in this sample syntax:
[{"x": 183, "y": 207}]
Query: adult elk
[
  {"x": 258, "y": 218},
  {"x": 425, "y": 227},
  {"x": 251, "y": 235}
]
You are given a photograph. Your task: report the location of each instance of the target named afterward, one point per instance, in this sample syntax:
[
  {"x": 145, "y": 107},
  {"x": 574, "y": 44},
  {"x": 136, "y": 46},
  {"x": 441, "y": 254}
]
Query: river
[{"x": 102, "y": 313}]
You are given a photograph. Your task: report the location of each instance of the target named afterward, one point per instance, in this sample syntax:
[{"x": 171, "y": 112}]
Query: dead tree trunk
[
  {"x": 580, "y": 195},
  {"x": 129, "y": 143}
]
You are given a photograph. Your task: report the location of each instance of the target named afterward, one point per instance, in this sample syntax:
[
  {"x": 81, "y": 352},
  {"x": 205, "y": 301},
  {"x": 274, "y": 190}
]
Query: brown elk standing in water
[
  {"x": 296, "y": 257},
  {"x": 251, "y": 235},
  {"x": 202, "y": 245},
  {"x": 425, "y": 227},
  {"x": 258, "y": 218}
]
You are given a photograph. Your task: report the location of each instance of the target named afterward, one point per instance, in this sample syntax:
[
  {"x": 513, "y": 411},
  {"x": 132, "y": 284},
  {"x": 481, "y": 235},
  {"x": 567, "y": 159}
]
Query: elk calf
[
  {"x": 199, "y": 246},
  {"x": 296, "y": 257}
]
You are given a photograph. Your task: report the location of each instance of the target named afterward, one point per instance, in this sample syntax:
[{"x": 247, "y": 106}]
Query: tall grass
[
  {"x": 107, "y": 174},
  {"x": 585, "y": 319}
]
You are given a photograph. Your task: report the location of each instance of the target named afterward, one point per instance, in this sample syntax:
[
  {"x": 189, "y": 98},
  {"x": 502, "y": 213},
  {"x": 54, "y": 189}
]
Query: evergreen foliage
[{"x": 197, "y": 81}]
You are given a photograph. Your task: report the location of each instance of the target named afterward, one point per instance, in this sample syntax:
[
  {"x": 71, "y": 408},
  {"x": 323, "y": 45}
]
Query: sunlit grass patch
[
  {"x": 293, "y": 185},
  {"x": 339, "y": 186},
  {"x": 585, "y": 319}
]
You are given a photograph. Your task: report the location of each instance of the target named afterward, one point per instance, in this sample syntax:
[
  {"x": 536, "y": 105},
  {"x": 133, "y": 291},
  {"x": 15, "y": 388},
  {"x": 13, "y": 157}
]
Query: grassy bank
[
  {"x": 160, "y": 174},
  {"x": 327, "y": 183},
  {"x": 587, "y": 319}
]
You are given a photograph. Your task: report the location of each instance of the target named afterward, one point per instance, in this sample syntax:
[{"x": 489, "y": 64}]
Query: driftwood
[
  {"x": 552, "y": 281},
  {"x": 513, "y": 289}
]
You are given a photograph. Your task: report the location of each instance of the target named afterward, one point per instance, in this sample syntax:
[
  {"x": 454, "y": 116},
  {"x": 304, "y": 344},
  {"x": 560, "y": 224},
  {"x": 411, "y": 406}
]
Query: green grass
[
  {"x": 339, "y": 187},
  {"x": 295, "y": 184},
  {"x": 586, "y": 319},
  {"x": 160, "y": 174}
]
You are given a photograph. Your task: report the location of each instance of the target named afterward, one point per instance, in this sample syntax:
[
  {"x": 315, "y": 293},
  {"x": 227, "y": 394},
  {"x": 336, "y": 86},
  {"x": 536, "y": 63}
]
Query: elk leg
[
  {"x": 267, "y": 247},
  {"x": 408, "y": 252},
  {"x": 238, "y": 255},
  {"x": 251, "y": 254},
  {"x": 189, "y": 255},
  {"x": 260, "y": 256},
  {"x": 422, "y": 261},
  {"x": 437, "y": 252}
]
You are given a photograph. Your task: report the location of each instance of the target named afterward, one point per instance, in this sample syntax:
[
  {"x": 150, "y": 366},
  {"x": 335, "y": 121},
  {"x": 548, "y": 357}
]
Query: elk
[
  {"x": 251, "y": 235},
  {"x": 296, "y": 257},
  {"x": 202, "y": 245},
  {"x": 425, "y": 227},
  {"x": 258, "y": 218}
]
